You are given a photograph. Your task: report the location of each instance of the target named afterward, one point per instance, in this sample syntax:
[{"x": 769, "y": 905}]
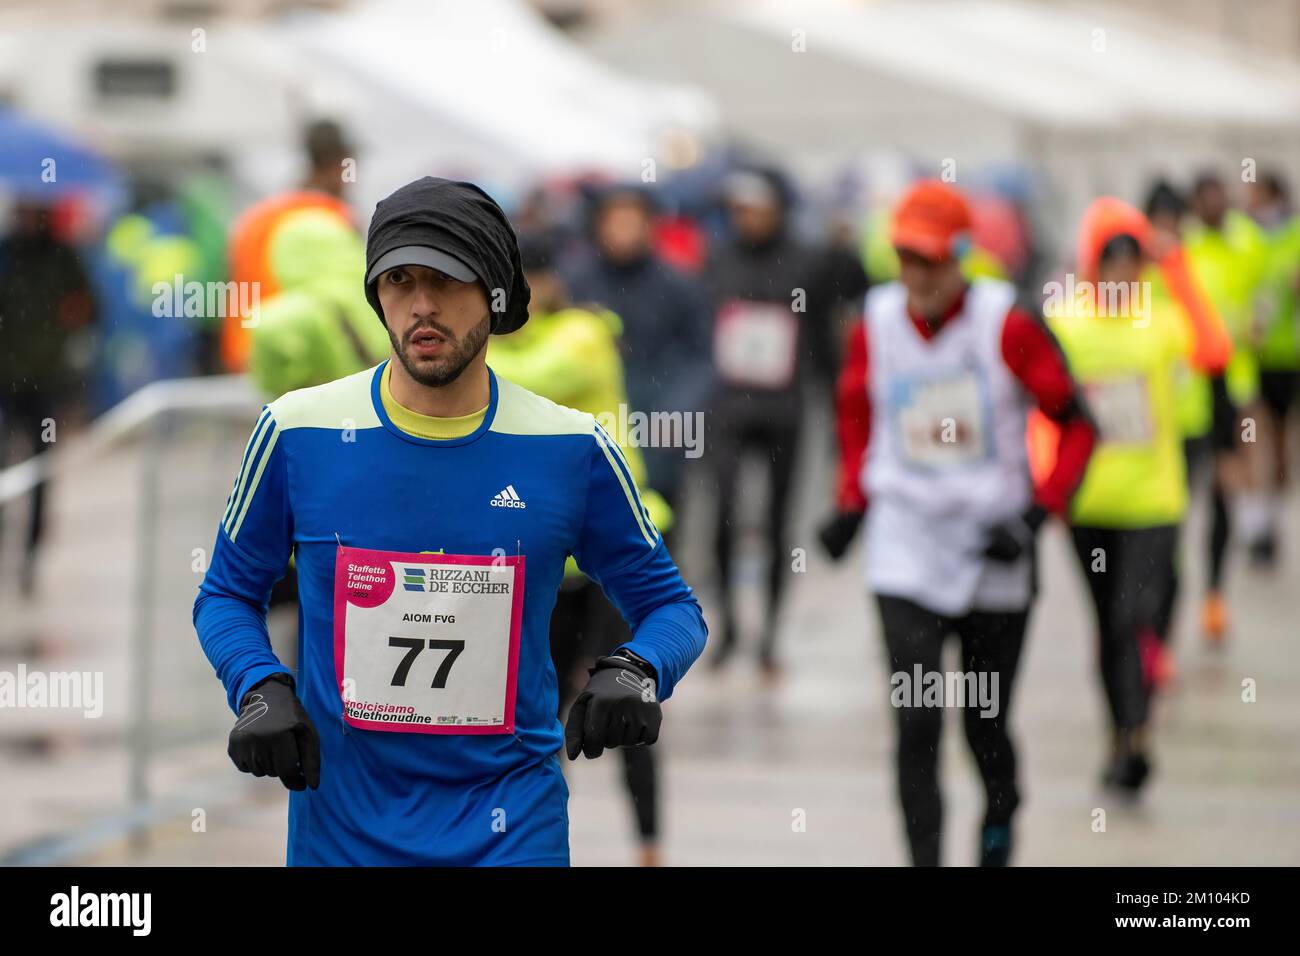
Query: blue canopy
[{"x": 26, "y": 151}]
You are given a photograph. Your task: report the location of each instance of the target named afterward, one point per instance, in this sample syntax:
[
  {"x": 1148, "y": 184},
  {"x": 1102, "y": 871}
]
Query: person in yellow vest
[
  {"x": 570, "y": 355},
  {"x": 1276, "y": 326},
  {"x": 1123, "y": 346},
  {"x": 1223, "y": 252}
]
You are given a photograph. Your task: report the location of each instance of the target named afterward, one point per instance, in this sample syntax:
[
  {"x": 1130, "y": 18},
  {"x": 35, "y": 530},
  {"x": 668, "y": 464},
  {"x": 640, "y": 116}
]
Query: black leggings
[
  {"x": 990, "y": 645},
  {"x": 1226, "y": 437},
  {"x": 777, "y": 443},
  {"x": 1277, "y": 387},
  {"x": 1199, "y": 453},
  {"x": 1128, "y": 573},
  {"x": 585, "y": 626}
]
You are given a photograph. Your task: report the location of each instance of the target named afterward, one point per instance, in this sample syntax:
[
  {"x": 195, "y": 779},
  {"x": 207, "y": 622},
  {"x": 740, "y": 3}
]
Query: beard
[{"x": 435, "y": 373}]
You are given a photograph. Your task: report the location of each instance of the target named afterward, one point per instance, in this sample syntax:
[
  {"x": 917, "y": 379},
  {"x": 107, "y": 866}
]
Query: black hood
[{"x": 458, "y": 220}]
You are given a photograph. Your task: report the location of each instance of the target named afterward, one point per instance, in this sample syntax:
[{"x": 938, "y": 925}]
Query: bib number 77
[
  {"x": 427, "y": 642},
  {"x": 414, "y": 646}
]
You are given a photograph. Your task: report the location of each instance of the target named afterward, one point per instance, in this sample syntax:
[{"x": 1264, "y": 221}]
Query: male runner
[
  {"x": 431, "y": 506},
  {"x": 932, "y": 402}
]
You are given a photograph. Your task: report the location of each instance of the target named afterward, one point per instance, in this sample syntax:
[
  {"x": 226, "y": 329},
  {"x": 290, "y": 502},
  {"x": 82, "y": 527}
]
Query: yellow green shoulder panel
[
  {"x": 521, "y": 412},
  {"x": 342, "y": 403}
]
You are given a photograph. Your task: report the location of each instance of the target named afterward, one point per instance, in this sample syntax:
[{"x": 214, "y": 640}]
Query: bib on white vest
[{"x": 947, "y": 457}]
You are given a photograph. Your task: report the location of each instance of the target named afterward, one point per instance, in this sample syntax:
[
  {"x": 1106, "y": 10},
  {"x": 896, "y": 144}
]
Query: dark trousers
[
  {"x": 584, "y": 626},
  {"x": 24, "y": 414},
  {"x": 990, "y": 644},
  {"x": 1128, "y": 573},
  {"x": 777, "y": 444}
]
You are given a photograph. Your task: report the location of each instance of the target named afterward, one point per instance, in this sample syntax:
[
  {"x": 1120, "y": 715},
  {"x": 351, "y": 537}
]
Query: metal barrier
[{"x": 148, "y": 415}]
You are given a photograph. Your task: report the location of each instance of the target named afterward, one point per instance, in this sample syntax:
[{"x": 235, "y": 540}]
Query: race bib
[
  {"x": 1122, "y": 409},
  {"x": 427, "y": 643},
  {"x": 755, "y": 344},
  {"x": 941, "y": 422}
]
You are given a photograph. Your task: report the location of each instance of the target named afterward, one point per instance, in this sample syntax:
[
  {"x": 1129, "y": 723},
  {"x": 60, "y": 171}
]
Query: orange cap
[{"x": 931, "y": 220}]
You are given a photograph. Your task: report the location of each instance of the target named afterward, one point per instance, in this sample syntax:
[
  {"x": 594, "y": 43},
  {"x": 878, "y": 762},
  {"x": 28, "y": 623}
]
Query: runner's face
[
  {"x": 1211, "y": 203},
  {"x": 756, "y": 221},
  {"x": 931, "y": 286},
  {"x": 623, "y": 230},
  {"x": 437, "y": 324},
  {"x": 1120, "y": 270}
]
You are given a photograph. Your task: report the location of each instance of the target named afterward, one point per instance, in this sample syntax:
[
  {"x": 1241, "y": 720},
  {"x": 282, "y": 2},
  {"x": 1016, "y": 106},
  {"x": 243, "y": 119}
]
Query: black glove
[
  {"x": 838, "y": 533},
  {"x": 1010, "y": 539},
  {"x": 617, "y": 708},
  {"x": 274, "y": 736}
]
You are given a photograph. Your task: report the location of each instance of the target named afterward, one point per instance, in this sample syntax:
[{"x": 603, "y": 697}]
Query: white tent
[
  {"x": 487, "y": 89},
  {"x": 488, "y": 85}
]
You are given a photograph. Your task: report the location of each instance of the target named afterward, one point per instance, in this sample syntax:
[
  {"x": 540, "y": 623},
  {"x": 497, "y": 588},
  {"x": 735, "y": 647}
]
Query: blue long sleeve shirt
[{"x": 326, "y": 466}]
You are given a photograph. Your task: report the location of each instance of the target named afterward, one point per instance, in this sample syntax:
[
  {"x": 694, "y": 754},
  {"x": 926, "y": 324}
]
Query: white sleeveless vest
[{"x": 947, "y": 456}]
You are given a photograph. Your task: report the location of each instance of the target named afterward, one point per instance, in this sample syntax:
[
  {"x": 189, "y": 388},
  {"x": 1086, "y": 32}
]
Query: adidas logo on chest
[{"x": 507, "y": 498}]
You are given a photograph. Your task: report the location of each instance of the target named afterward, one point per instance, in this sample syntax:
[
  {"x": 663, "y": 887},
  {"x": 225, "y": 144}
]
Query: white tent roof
[
  {"x": 491, "y": 77},
  {"x": 1039, "y": 61}
]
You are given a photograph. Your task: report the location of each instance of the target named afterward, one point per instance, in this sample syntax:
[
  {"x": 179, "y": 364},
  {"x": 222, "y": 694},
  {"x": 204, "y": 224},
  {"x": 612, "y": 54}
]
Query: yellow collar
[{"x": 426, "y": 426}]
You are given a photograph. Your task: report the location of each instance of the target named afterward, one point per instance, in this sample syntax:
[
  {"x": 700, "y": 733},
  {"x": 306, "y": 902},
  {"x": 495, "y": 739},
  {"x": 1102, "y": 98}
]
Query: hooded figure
[
  {"x": 249, "y": 255},
  {"x": 317, "y": 327}
]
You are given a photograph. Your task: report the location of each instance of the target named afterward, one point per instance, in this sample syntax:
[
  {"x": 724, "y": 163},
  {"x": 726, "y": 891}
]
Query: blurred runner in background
[
  {"x": 327, "y": 149},
  {"x": 150, "y": 329},
  {"x": 1223, "y": 252},
  {"x": 1276, "y": 316},
  {"x": 318, "y": 326},
  {"x": 45, "y": 300},
  {"x": 1123, "y": 346},
  {"x": 771, "y": 335},
  {"x": 570, "y": 355},
  {"x": 665, "y": 315},
  {"x": 933, "y": 399}
]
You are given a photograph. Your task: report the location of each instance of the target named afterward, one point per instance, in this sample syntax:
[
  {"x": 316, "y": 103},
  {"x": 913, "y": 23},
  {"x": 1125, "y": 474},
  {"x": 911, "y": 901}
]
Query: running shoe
[
  {"x": 995, "y": 845},
  {"x": 1214, "y": 619},
  {"x": 1129, "y": 766}
]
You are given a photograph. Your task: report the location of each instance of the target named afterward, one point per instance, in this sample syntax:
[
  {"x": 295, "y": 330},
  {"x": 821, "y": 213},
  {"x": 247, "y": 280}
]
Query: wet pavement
[{"x": 796, "y": 774}]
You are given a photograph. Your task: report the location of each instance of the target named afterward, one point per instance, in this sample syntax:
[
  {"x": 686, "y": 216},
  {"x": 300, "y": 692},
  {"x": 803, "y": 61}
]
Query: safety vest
[
  {"x": 1126, "y": 367},
  {"x": 1227, "y": 264},
  {"x": 1275, "y": 300}
]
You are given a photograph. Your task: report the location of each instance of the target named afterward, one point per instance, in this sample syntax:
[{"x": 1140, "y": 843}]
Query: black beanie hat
[{"x": 455, "y": 227}]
